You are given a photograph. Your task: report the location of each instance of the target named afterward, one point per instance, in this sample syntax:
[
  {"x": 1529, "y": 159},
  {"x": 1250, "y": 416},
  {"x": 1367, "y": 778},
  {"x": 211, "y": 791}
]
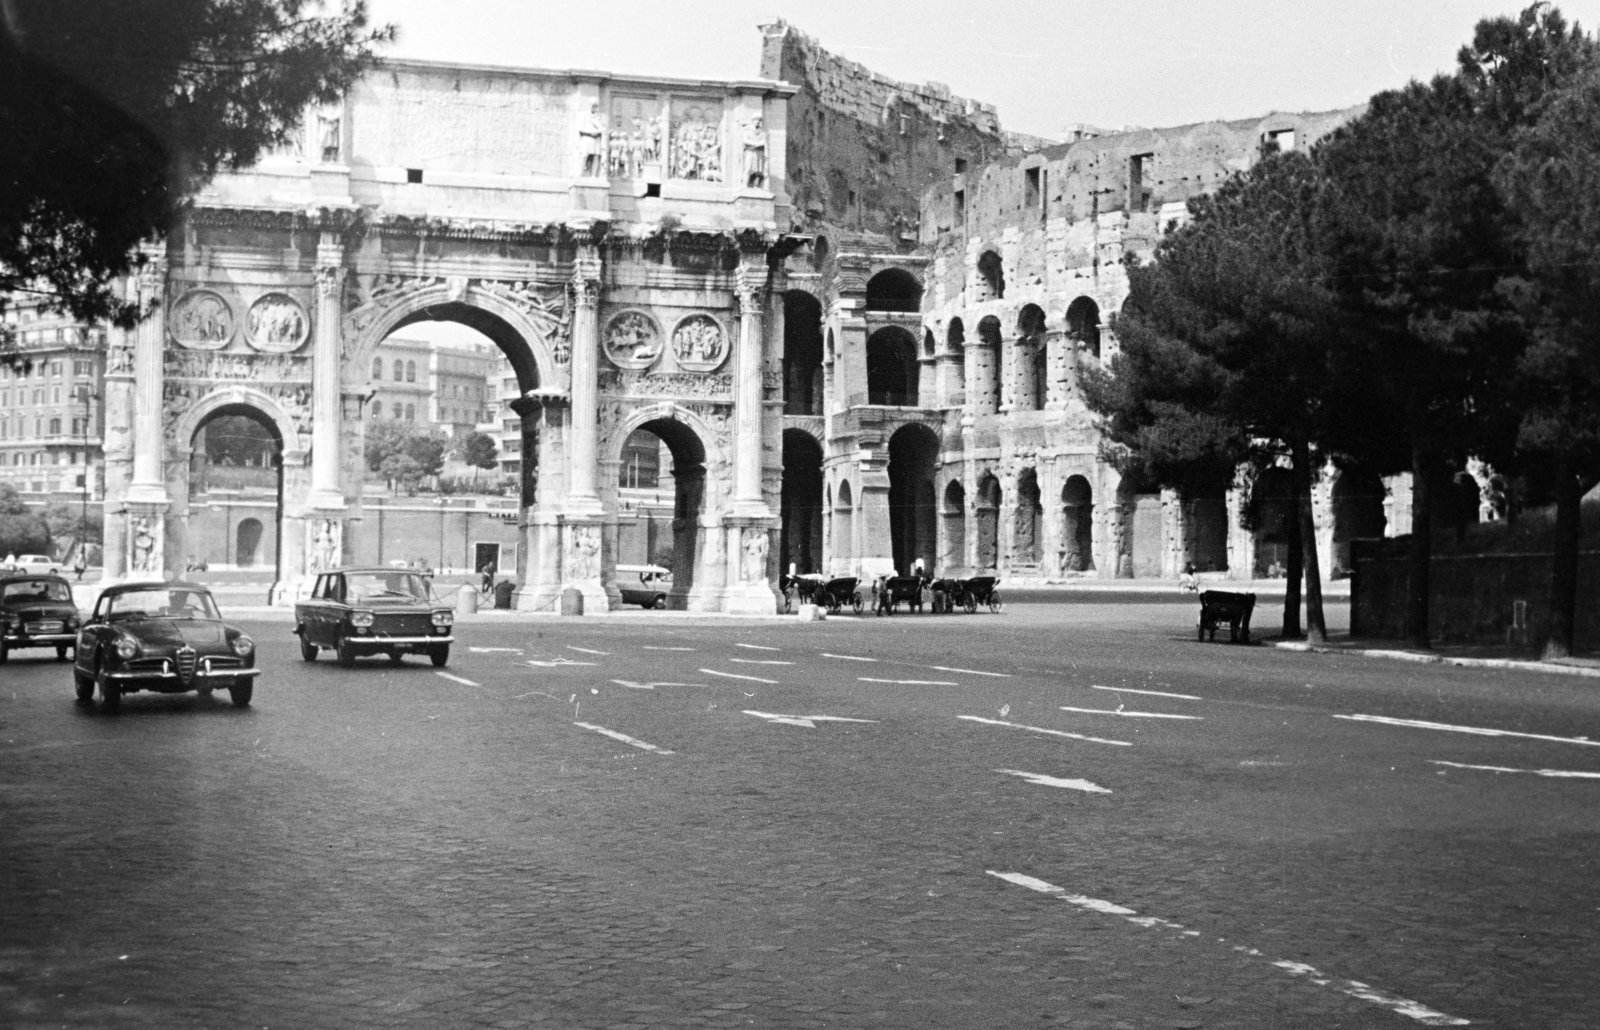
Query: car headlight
[
  {"x": 127, "y": 647},
  {"x": 71, "y": 622},
  {"x": 443, "y": 619},
  {"x": 243, "y": 646},
  {"x": 362, "y": 619}
]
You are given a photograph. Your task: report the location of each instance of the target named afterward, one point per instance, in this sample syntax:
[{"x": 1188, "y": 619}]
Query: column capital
[
  {"x": 585, "y": 284},
  {"x": 330, "y": 279},
  {"x": 748, "y": 286}
]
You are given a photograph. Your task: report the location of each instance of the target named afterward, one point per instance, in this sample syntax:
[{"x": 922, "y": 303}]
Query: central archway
[
  {"x": 913, "y": 526},
  {"x": 688, "y": 475},
  {"x": 235, "y": 490}
]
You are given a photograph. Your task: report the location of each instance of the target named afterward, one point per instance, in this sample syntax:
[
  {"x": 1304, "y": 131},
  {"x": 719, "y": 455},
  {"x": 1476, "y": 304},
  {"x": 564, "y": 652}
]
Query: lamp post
[{"x": 88, "y": 396}]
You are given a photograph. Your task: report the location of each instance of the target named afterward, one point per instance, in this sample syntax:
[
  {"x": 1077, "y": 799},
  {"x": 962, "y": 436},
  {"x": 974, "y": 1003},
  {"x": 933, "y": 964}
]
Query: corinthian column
[
  {"x": 747, "y": 499},
  {"x": 585, "y": 386},
  {"x": 149, "y": 485},
  {"x": 325, "y": 362}
]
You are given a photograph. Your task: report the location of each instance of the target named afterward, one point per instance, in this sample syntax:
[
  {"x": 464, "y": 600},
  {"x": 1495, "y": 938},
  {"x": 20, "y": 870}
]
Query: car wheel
[
  {"x": 346, "y": 653},
  {"x": 110, "y": 690},
  {"x": 660, "y": 603},
  {"x": 240, "y": 693},
  {"x": 61, "y": 652},
  {"x": 84, "y": 685},
  {"x": 5, "y": 652},
  {"x": 396, "y": 657},
  {"x": 440, "y": 656},
  {"x": 308, "y": 650}
]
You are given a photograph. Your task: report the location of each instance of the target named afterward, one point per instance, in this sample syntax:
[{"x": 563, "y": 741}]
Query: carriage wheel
[
  {"x": 855, "y": 602},
  {"x": 970, "y": 603},
  {"x": 994, "y": 601}
]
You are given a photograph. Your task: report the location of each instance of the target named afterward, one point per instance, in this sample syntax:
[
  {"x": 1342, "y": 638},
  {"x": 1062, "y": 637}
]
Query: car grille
[
  {"x": 36, "y": 628},
  {"x": 185, "y": 661},
  {"x": 403, "y": 625}
]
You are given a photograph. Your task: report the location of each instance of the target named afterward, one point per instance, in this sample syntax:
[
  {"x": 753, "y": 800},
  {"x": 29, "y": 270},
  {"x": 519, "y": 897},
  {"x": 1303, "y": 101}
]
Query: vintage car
[
  {"x": 164, "y": 637},
  {"x": 644, "y": 585},
  {"x": 38, "y": 564},
  {"x": 37, "y": 611},
  {"x": 378, "y": 610}
]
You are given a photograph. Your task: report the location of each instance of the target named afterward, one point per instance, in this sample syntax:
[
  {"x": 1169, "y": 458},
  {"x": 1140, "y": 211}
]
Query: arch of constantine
[{"x": 619, "y": 238}]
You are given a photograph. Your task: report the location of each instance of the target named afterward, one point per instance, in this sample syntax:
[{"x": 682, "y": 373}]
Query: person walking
[
  {"x": 487, "y": 572},
  {"x": 79, "y": 564}
]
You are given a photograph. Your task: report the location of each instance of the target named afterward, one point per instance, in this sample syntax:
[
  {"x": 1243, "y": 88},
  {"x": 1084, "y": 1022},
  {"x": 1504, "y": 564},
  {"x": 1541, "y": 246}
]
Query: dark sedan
[
  {"x": 164, "y": 637},
  {"x": 370, "y": 611},
  {"x": 36, "y": 611}
]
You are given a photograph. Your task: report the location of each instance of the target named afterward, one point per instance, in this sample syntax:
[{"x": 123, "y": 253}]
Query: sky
[{"x": 1045, "y": 64}]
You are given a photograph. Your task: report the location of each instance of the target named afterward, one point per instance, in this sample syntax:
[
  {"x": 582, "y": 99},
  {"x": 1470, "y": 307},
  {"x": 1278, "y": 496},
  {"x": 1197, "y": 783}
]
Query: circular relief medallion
[
  {"x": 201, "y": 319},
  {"x": 276, "y": 324},
  {"x": 699, "y": 343},
  {"x": 632, "y": 340}
]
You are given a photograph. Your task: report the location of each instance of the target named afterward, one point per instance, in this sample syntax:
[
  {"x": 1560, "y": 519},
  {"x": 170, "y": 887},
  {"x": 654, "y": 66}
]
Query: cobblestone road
[{"x": 515, "y": 846}]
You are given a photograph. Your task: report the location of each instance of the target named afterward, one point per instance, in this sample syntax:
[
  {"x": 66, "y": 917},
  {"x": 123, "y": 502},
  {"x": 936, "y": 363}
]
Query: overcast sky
[{"x": 1045, "y": 63}]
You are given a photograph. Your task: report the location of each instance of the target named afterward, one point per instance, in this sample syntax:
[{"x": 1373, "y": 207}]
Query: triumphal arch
[{"x": 621, "y": 239}]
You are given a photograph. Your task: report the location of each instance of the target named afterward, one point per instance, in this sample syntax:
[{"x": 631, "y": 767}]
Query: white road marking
[
  {"x": 1152, "y": 693},
  {"x": 456, "y": 679},
  {"x": 910, "y": 683},
  {"x": 1129, "y": 715},
  {"x": 1564, "y": 774},
  {"x": 495, "y": 650},
  {"x": 1040, "y": 779},
  {"x": 971, "y": 672},
  {"x": 558, "y": 663},
  {"x": 759, "y": 661},
  {"x": 1481, "y": 731},
  {"x": 758, "y": 647},
  {"x": 736, "y": 676},
  {"x": 586, "y": 650},
  {"x": 808, "y": 721},
  {"x": 848, "y": 657},
  {"x": 614, "y": 735},
  {"x": 1355, "y": 988},
  {"x": 1041, "y": 729},
  {"x": 652, "y": 686},
  {"x": 648, "y": 647}
]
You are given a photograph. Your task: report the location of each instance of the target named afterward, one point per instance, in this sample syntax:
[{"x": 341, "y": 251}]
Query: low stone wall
[{"x": 1475, "y": 597}]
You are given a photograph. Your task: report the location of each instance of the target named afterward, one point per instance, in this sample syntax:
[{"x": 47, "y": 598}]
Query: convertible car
[
  {"x": 367, "y": 611},
  {"x": 36, "y": 611},
  {"x": 163, "y": 637}
]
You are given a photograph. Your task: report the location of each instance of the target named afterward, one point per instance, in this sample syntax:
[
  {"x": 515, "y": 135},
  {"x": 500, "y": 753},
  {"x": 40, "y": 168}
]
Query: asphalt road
[{"x": 1063, "y": 815}]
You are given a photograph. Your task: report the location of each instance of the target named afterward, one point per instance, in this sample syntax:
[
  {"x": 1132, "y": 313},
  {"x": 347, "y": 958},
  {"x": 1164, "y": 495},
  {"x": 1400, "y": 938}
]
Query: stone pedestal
[{"x": 750, "y": 567}]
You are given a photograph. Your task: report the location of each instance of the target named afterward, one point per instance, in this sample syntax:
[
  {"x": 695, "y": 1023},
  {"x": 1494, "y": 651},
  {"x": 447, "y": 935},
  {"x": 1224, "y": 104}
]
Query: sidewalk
[{"x": 1470, "y": 656}]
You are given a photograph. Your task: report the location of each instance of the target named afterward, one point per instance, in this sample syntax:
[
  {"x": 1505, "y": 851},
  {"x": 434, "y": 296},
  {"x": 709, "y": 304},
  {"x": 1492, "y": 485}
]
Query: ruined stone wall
[{"x": 862, "y": 148}]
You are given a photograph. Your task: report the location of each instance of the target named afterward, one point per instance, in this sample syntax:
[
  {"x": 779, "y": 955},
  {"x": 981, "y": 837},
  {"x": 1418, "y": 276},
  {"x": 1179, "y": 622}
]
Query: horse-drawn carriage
[
  {"x": 898, "y": 590},
  {"x": 801, "y": 589},
  {"x": 968, "y": 594},
  {"x": 838, "y": 592}
]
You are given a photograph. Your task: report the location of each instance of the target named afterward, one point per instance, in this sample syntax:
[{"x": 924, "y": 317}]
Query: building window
[
  {"x": 38, "y": 398},
  {"x": 377, "y": 368},
  {"x": 411, "y": 412},
  {"x": 399, "y": 371},
  {"x": 1030, "y": 188},
  {"x": 55, "y": 427},
  {"x": 411, "y": 371},
  {"x": 961, "y": 206},
  {"x": 1140, "y": 169}
]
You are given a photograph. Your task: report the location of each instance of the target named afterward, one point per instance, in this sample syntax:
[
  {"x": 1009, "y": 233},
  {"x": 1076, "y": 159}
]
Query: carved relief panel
[
  {"x": 696, "y": 125},
  {"x": 699, "y": 343},
  {"x": 201, "y": 320},
  {"x": 276, "y": 324},
  {"x": 636, "y": 137},
  {"x": 632, "y": 340}
]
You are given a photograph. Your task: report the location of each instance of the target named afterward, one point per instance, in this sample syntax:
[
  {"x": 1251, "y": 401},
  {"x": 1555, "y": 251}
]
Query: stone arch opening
[
  {"x": 894, "y": 289},
  {"x": 986, "y": 367},
  {"x": 1273, "y": 509},
  {"x": 1083, "y": 325},
  {"x": 1027, "y": 520},
  {"x": 819, "y": 253},
  {"x": 688, "y": 476},
  {"x": 844, "y": 525},
  {"x": 991, "y": 276},
  {"x": 913, "y": 464},
  {"x": 235, "y": 489},
  {"x": 800, "y": 504},
  {"x": 1205, "y": 523},
  {"x": 892, "y": 367},
  {"x": 1030, "y": 359},
  {"x": 953, "y": 553},
  {"x": 802, "y": 354},
  {"x": 955, "y": 339},
  {"x": 988, "y": 522},
  {"x": 1077, "y": 537},
  {"x": 1358, "y": 497}
]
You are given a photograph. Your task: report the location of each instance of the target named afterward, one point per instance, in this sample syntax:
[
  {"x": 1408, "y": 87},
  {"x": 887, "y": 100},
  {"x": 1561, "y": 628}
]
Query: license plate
[{"x": 36, "y": 628}]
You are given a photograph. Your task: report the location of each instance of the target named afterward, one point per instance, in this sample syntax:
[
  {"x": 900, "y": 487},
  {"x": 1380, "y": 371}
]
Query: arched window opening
[
  {"x": 991, "y": 276},
  {"x": 377, "y": 409},
  {"x": 928, "y": 343},
  {"x": 1273, "y": 511},
  {"x": 955, "y": 339},
  {"x": 913, "y": 462},
  {"x": 988, "y": 519},
  {"x": 892, "y": 367},
  {"x": 411, "y": 412},
  {"x": 1083, "y": 325},
  {"x": 247, "y": 543},
  {"x": 953, "y": 549},
  {"x": 894, "y": 289},
  {"x": 800, "y": 504},
  {"x": 802, "y": 354},
  {"x": 411, "y": 371},
  {"x": 1358, "y": 514},
  {"x": 1030, "y": 359},
  {"x": 986, "y": 372},
  {"x": 844, "y": 540},
  {"x": 1077, "y": 537},
  {"x": 399, "y": 371},
  {"x": 1027, "y": 521},
  {"x": 377, "y": 368}
]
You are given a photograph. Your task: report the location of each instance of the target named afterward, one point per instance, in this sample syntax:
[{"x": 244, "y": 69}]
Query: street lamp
[{"x": 88, "y": 396}]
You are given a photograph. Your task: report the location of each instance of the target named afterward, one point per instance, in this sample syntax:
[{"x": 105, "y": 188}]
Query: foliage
[
  {"x": 423, "y": 445},
  {"x": 113, "y": 111},
  {"x": 66, "y": 520},
  {"x": 478, "y": 450},
  {"x": 22, "y": 530},
  {"x": 402, "y": 469}
]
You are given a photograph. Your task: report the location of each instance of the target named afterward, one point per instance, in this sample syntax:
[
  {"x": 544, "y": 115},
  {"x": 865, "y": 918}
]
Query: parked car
[
  {"x": 36, "y": 611},
  {"x": 644, "y": 585},
  {"x": 38, "y": 564},
  {"x": 379, "y": 610},
  {"x": 163, "y": 637}
]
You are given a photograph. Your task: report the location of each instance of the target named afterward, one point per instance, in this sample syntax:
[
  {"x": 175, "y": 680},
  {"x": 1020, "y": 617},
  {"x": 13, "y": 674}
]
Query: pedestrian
[
  {"x": 487, "y": 572},
  {"x": 79, "y": 564},
  {"x": 1189, "y": 583}
]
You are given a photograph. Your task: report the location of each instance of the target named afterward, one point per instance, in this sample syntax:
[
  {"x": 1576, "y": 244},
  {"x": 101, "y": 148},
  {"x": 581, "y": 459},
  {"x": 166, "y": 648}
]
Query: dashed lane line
[
  {"x": 910, "y": 683},
  {"x": 1128, "y": 715},
  {"x": 1041, "y": 729},
  {"x": 1354, "y": 988},
  {"x": 586, "y": 650},
  {"x": 456, "y": 679},
  {"x": 632, "y": 741},
  {"x": 808, "y": 721},
  {"x": 758, "y": 647},
  {"x": 736, "y": 676},
  {"x": 970, "y": 672},
  {"x": 649, "y": 647},
  {"x": 1152, "y": 693},
  {"x": 631, "y": 685},
  {"x": 1558, "y": 774},
  {"x": 759, "y": 661},
  {"x": 1040, "y": 779},
  {"x": 555, "y": 663},
  {"x": 495, "y": 650},
  {"x": 1481, "y": 731},
  {"x": 848, "y": 657}
]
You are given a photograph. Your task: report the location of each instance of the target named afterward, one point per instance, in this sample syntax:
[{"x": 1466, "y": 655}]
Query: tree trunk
[
  {"x": 1291, "y": 587},
  {"x": 1421, "y": 557},
  {"x": 1316, "y": 623},
  {"x": 1564, "y": 563}
]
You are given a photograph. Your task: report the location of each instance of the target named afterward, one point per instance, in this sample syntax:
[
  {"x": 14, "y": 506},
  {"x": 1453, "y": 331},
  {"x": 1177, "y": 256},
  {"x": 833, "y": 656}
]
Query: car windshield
[
  {"x": 360, "y": 587},
  {"x": 161, "y": 602},
  {"x": 34, "y": 590}
]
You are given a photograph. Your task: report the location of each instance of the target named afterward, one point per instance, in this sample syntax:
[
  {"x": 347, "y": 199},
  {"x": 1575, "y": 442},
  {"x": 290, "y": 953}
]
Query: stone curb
[{"x": 1436, "y": 659}]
